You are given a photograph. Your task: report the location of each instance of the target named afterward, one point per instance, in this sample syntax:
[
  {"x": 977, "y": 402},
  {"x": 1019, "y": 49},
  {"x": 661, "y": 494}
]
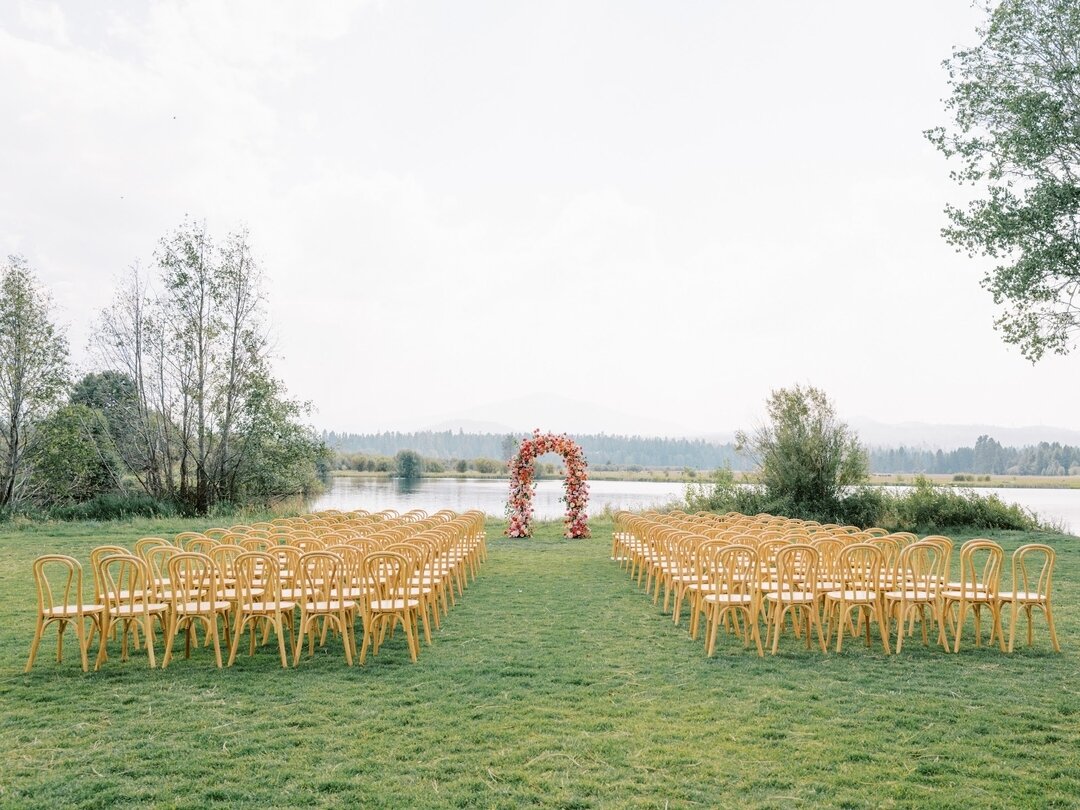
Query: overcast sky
[{"x": 659, "y": 210}]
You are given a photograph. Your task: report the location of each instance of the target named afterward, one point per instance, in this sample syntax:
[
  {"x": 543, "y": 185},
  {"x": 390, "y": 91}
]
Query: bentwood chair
[
  {"x": 388, "y": 602},
  {"x": 130, "y": 601},
  {"x": 916, "y": 590},
  {"x": 796, "y": 592},
  {"x": 1032, "y": 575},
  {"x": 980, "y": 573},
  {"x": 859, "y": 566},
  {"x": 58, "y": 579},
  {"x": 195, "y": 591},
  {"x": 258, "y": 599},
  {"x": 734, "y": 571},
  {"x": 322, "y": 578}
]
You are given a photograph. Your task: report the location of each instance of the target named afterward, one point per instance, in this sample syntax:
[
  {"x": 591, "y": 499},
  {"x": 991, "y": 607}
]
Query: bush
[
  {"x": 489, "y": 466},
  {"x": 807, "y": 458},
  {"x": 922, "y": 509},
  {"x": 408, "y": 464},
  {"x": 114, "y": 507},
  {"x": 926, "y": 509}
]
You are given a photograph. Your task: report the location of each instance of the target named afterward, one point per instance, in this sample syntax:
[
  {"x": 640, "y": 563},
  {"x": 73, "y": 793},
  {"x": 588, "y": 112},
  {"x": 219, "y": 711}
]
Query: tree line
[
  {"x": 987, "y": 456},
  {"x": 444, "y": 451},
  {"x": 183, "y": 410},
  {"x": 602, "y": 450}
]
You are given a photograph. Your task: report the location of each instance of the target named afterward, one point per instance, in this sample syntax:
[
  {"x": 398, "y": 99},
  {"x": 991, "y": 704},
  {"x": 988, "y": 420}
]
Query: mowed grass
[{"x": 555, "y": 683}]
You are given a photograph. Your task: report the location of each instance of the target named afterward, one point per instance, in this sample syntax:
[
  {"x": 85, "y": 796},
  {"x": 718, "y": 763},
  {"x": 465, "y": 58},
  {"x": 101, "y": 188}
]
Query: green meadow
[{"x": 554, "y": 682}]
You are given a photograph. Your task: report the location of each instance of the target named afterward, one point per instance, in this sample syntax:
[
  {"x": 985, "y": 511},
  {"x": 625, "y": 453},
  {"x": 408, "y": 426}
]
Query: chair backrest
[
  {"x": 946, "y": 548},
  {"x": 829, "y": 549},
  {"x": 252, "y": 543},
  {"x": 193, "y": 577},
  {"x": 158, "y": 559},
  {"x": 96, "y": 556},
  {"x": 890, "y": 551},
  {"x": 200, "y": 544},
  {"x": 307, "y": 544},
  {"x": 1033, "y": 569},
  {"x": 980, "y": 567},
  {"x": 144, "y": 544},
  {"x": 215, "y": 534},
  {"x": 321, "y": 576},
  {"x": 257, "y": 578},
  {"x": 797, "y": 568},
  {"x": 387, "y": 575},
  {"x": 224, "y": 556},
  {"x": 128, "y": 583},
  {"x": 920, "y": 571},
  {"x": 734, "y": 568},
  {"x": 50, "y": 570},
  {"x": 860, "y": 566}
]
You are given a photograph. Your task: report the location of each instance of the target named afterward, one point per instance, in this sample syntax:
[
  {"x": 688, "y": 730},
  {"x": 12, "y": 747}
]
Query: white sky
[{"x": 665, "y": 209}]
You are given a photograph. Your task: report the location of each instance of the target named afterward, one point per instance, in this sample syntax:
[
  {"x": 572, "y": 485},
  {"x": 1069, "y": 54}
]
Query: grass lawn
[{"x": 554, "y": 682}]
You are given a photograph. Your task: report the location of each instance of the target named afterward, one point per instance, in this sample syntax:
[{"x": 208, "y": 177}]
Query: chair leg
[
  {"x": 39, "y": 630},
  {"x": 170, "y": 636},
  {"x": 1049, "y": 613},
  {"x": 80, "y": 636},
  {"x": 237, "y": 631}
]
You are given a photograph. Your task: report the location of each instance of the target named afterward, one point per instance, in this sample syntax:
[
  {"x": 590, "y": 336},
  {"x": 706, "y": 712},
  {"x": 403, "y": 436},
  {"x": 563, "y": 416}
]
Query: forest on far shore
[{"x": 987, "y": 456}]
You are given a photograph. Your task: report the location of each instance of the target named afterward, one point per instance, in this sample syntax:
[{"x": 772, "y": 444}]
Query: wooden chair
[
  {"x": 796, "y": 592},
  {"x": 388, "y": 602},
  {"x": 859, "y": 566},
  {"x": 322, "y": 589},
  {"x": 980, "y": 573},
  {"x": 916, "y": 589},
  {"x": 734, "y": 569},
  {"x": 195, "y": 596},
  {"x": 63, "y": 605},
  {"x": 1032, "y": 576},
  {"x": 130, "y": 601},
  {"x": 258, "y": 599}
]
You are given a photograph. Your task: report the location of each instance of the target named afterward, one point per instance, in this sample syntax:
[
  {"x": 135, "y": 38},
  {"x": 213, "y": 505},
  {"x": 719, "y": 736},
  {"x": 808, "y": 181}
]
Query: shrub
[
  {"x": 408, "y": 464},
  {"x": 114, "y": 507},
  {"x": 807, "y": 457}
]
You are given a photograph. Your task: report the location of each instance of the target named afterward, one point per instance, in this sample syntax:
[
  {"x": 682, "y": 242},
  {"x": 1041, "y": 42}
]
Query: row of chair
[
  {"x": 307, "y": 581},
  {"x": 741, "y": 570}
]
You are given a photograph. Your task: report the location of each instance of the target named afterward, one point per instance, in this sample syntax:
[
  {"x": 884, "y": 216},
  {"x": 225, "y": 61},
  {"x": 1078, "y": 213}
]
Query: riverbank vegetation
[
  {"x": 811, "y": 466},
  {"x": 183, "y": 415},
  {"x": 582, "y": 694}
]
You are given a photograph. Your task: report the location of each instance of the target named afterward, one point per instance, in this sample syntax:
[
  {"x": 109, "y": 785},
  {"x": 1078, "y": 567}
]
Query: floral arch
[{"x": 522, "y": 466}]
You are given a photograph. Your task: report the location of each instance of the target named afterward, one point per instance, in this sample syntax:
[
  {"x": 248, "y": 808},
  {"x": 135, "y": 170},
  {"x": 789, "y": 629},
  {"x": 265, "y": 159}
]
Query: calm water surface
[
  {"x": 1057, "y": 505},
  {"x": 488, "y": 495}
]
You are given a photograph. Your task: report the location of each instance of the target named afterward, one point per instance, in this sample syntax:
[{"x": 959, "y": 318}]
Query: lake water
[{"x": 489, "y": 495}]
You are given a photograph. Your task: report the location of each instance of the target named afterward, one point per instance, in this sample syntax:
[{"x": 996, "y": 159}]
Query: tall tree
[
  {"x": 33, "y": 370},
  {"x": 1015, "y": 103},
  {"x": 213, "y": 424},
  {"x": 806, "y": 456}
]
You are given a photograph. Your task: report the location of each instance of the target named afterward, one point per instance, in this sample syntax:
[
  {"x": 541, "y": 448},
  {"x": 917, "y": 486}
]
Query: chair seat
[
  {"x": 853, "y": 596},
  {"x": 792, "y": 597},
  {"x": 1021, "y": 596},
  {"x": 202, "y": 607},
  {"x": 970, "y": 595},
  {"x": 332, "y": 606},
  {"x": 65, "y": 611},
  {"x": 912, "y": 595},
  {"x": 267, "y": 607},
  {"x": 730, "y": 598},
  {"x": 393, "y": 604},
  {"x": 139, "y": 610}
]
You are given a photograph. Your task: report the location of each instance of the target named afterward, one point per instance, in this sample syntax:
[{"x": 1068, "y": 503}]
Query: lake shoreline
[{"x": 668, "y": 477}]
